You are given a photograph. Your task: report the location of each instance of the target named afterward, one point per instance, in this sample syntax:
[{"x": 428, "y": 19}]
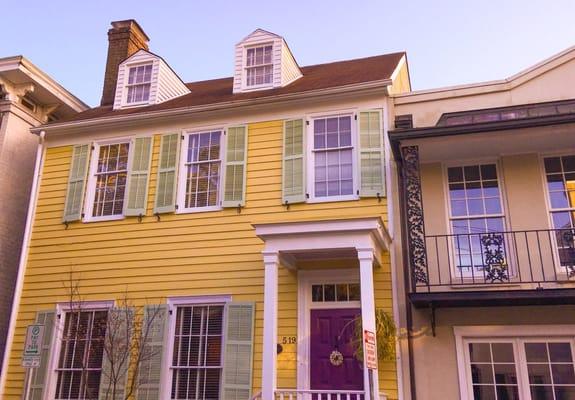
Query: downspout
[
  {"x": 23, "y": 260},
  {"x": 406, "y": 277}
]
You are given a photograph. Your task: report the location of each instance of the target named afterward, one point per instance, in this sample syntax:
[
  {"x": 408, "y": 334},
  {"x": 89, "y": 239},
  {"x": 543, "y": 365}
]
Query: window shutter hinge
[
  {"x": 307, "y": 195},
  {"x": 170, "y": 311},
  {"x": 182, "y": 137},
  {"x": 307, "y": 122},
  {"x": 355, "y": 117},
  {"x": 93, "y": 147},
  {"x": 176, "y": 206},
  {"x": 59, "y": 316},
  {"x": 357, "y": 192}
]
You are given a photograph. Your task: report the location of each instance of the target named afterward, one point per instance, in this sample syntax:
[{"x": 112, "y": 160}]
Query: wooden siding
[
  {"x": 289, "y": 68},
  {"x": 183, "y": 254}
]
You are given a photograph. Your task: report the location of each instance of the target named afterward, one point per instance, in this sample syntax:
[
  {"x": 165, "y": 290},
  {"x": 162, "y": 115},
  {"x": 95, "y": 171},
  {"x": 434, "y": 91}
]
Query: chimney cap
[{"x": 129, "y": 24}]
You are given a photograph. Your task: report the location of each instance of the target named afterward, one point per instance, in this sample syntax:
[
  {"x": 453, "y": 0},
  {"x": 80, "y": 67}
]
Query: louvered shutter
[
  {"x": 235, "y": 167},
  {"x": 293, "y": 180},
  {"x": 150, "y": 371},
  {"x": 371, "y": 154},
  {"x": 39, "y": 375},
  {"x": 165, "y": 201},
  {"x": 116, "y": 360},
  {"x": 139, "y": 176},
  {"x": 76, "y": 183},
  {"x": 238, "y": 358}
]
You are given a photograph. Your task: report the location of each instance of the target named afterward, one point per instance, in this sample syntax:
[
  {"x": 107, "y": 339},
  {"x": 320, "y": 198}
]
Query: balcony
[{"x": 530, "y": 267}]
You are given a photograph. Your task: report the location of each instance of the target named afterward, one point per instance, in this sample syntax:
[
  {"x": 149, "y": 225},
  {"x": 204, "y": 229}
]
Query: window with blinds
[
  {"x": 81, "y": 354},
  {"x": 196, "y": 365}
]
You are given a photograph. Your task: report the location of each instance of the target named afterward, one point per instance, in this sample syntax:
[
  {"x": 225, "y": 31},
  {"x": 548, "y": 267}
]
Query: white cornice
[{"x": 157, "y": 116}]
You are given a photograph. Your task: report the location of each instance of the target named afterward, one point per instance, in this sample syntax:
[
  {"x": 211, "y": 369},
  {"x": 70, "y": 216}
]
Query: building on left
[{"x": 28, "y": 98}]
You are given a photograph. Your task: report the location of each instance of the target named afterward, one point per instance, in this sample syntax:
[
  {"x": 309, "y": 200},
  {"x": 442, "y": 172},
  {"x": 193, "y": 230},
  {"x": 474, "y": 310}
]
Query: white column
[
  {"x": 269, "y": 364},
  {"x": 366, "y": 256}
]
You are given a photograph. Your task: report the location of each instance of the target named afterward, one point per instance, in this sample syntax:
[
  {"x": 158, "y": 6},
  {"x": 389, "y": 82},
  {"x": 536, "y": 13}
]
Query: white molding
[
  {"x": 306, "y": 278},
  {"x": 500, "y": 332},
  {"x": 59, "y": 321},
  {"x": 269, "y": 354},
  {"x": 173, "y": 303},
  {"x": 88, "y": 206},
  {"x": 36, "y": 179}
]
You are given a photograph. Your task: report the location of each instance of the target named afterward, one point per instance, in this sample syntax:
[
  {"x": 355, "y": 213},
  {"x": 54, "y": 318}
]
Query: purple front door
[{"x": 332, "y": 330}]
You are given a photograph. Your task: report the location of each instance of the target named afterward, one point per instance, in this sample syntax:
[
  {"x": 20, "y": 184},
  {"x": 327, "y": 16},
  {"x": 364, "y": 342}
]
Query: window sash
[
  {"x": 137, "y": 80},
  {"x": 100, "y": 181},
  {"x": 259, "y": 67},
  {"x": 191, "y": 156},
  {"x": 520, "y": 363},
  {"x": 195, "y": 386},
  {"x": 67, "y": 370}
]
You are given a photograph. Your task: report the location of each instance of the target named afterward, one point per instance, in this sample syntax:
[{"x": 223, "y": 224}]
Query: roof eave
[{"x": 143, "y": 116}]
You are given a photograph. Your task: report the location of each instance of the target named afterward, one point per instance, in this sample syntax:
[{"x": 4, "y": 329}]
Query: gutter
[
  {"x": 23, "y": 260},
  {"x": 142, "y": 117},
  {"x": 398, "y": 135}
]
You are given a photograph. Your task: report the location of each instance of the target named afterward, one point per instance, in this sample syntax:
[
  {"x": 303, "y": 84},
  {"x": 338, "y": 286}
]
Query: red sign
[{"x": 370, "y": 349}]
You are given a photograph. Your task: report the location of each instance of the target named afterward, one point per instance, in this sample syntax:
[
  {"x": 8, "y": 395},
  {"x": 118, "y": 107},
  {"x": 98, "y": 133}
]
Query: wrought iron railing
[{"x": 494, "y": 259}]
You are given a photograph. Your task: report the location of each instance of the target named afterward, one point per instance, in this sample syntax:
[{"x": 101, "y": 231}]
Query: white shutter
[
  {"x": 371, "y": 154},
  {"x": 165, "y": 201},
  {"x": 39, "y": 375},
  {"x": 138, "y": 177},
  {"x": 76, "y": 183},
  {"x": 235, "y": 167},
  {"x": 293, "y": 177},
  {"x": 150, "y": 371},
  {"x": 239, "y": 347}
]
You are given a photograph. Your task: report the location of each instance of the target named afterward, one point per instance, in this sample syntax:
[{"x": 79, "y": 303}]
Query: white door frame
[{"x": 306, "y": 278}]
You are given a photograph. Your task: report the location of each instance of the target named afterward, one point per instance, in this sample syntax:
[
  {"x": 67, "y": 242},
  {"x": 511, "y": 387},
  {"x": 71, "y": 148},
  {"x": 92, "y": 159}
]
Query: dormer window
[
  {"x": 259, "y": 66},
  {"x": 139, "y": 82}
]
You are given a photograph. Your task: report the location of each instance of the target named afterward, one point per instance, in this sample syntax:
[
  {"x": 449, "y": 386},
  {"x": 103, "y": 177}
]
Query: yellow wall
[{"x": 187, "y": 254}]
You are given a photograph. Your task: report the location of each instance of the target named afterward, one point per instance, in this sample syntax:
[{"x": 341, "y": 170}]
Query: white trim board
[{"x": 305, "y": 280}]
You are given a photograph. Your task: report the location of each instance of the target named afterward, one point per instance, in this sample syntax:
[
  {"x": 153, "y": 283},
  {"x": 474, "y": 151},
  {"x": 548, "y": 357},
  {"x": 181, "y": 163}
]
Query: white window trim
[
  {"x": 305, "y": 304},
  {"x": 504, "y": 207},
  {"x": 127, "y": 67},
  {"x": 543, "y": 173},
  {"x": 310, "y": 162},
  {"x": 182, "y": 173},
  {"x": 91, "y": 183},
  {"x": 61, "y": 309},
  {"x": 173, "y": 303},
  {"x": 498, "y": 332},
  {"x": 245, "y": 86}
]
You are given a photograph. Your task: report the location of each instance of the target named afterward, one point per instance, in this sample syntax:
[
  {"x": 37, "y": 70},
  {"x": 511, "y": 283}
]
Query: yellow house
[{"x": 248, "y": 214}]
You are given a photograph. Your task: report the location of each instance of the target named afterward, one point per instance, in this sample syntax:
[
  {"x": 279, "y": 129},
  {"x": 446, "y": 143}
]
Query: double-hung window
[
  {"x": 259, "y": 66},
  {"x": 476, "y": 210},
  {"x": 79, "y": 363},
  {"x": 560, "y": 177},
  {"x": 519, "y": 368},
  {"x": 196, "y": 363},
  {"x": 332, "y": 157},
  {"x": 202, "y": 168},
  {"x": 110, "y": 172},
  {"x": 139, "y": 83}
]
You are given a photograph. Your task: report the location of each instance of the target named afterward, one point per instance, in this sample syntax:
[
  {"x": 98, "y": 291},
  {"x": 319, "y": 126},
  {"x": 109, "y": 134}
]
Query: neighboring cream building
[
  {"x": 486, "y": 188},
  {"x": 28, "y": 98}
]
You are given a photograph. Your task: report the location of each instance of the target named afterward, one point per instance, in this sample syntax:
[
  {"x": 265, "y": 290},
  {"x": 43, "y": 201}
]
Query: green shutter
[
  {"x": 235, "y": 167},
  {"x": 39, "y": 375},
  {"x": 239, "y": 347},
  {"x": 76, "y": 183},
  {"x": 165, "y": 201},
  {"x": 139, "y": 177},
  {"x": 150, "y": 371},
  {"x": 116, "y": 360},
  {"x": 293, "y": 180},
  {"x": 371, "y": 154}
]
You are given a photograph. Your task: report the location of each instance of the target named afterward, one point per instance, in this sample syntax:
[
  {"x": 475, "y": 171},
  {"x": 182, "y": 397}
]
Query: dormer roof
[
  {"x": 163, "y": 83},
  {"x": 263, "y": 60}
]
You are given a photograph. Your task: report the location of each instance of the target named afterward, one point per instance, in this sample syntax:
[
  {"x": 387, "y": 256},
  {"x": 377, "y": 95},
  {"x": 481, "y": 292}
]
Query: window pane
[
  {"x": 539, "y": 374},
  {"x": 455, "y": 174},
  {"x": 503, "y": 352},
  {"x": 482, "y": 373},
  {"x": 560, "y": 352},
  {"x": 483, "y": 392},
  {"x": 536, "y": 352},
  {"x": 480, "y": 352}
]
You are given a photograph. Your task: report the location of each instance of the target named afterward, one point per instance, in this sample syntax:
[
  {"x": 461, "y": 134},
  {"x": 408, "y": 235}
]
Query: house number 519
[{"x": 289, "y": 340}]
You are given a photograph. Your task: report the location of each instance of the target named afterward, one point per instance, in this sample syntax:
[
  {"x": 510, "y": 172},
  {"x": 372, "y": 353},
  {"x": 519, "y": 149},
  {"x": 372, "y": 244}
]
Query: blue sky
[{"x": 448, "y": 41}]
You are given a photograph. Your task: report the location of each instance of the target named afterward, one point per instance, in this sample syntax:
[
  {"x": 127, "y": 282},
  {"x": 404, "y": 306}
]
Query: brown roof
[{"x": 321, "y": 76}]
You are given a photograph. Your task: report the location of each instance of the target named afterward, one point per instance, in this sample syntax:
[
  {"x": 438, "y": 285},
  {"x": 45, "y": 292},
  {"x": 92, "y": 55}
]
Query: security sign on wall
[{"x": 370, "y": 349}]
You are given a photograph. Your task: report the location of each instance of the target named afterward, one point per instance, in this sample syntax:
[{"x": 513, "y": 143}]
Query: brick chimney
[{"x": 124, "y": 39}]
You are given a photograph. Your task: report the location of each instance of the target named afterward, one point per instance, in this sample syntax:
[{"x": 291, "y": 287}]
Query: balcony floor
[{"x": 493, "y": 298}]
